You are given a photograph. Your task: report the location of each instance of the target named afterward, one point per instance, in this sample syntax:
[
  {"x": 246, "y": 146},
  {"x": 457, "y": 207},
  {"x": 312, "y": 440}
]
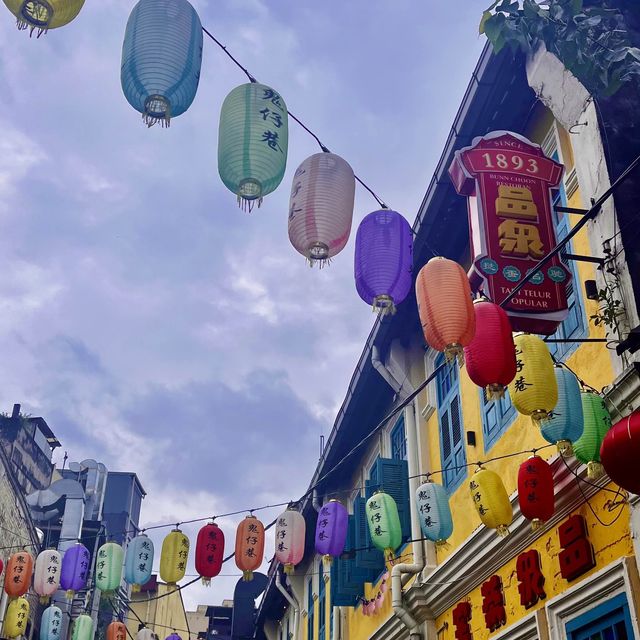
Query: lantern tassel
[
  {"x": 327, "y": 560},
  {"x": 494, "y": 391},
  {"x": 289, "y": 568},
  {"x": 135, "y": 588},
  {"x": 389, "y": 555},
  {"x": 538, "y": 415},
  {"x": 503, "y": 530},
  {"x": 247, "y": 576},
  {"x": 206, "y": 582},
  {"x": 565, "y": 448},
  {"x": 44, "y": 599},
  {"x": 536, "y": 524},
  {"x": 442, "y": 544},
  {"x": 453, "y": 351},
  {"x": 70, "y": 593},
  {"x": 383, "y": 305},
  {"x": 594, "y": 470},
  {"x": 247, "y": 205}
]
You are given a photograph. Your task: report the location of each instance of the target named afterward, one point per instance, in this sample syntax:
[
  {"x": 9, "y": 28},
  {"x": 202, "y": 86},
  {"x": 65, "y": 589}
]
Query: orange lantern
[
  {"x": 249, "y": 546},
  {"x": 17, "y": 578},
  {"x": 445, "y": 306},
  {"x": 116, "y": 631}
]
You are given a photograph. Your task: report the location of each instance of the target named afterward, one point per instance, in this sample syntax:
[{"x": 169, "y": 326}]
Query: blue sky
[{"x": 155, "y": 326}]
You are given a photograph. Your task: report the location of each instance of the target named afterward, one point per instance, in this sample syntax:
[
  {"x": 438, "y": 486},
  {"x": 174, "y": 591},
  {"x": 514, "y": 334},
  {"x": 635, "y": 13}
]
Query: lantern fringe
[
  {"x": 494, "y": 391},
  {"x": 595, "y": 470},
  {"x": 135, "y": 588},
  {"x": 23, "y": 25},
  {"x": 327, "y": 561},
  {"x": 389, "y": 555},
  {"x": 149, "y": 120},
  {"x": 247, "y": 576},
  {"x": 383, "y": 305},
  {"x": 565, "y": 448},
  {"x": 70, "y": 594},
  {"x": 503, "y": 530},
  {"x": 206, "y": 582},
  {"x": 538, "y": 415},
  {"x": 325, "y": 262},
  {"x": 536, "y": 524},
  {"x": 44, "y": 600},
  {"x": 289, "y": 568},
  {"x": 442, "y": 544},
  {"x": 454, "y": 351},
  {"x": 248, "y": 205}
]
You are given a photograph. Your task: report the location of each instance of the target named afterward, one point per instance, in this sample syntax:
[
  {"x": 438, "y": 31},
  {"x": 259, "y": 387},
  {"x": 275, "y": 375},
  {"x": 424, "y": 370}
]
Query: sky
[{"x": 154, "y": 325}]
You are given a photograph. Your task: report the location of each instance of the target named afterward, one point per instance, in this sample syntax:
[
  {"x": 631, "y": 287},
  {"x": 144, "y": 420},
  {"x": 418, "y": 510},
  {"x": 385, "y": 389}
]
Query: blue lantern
[
  {"x": 51, "y": 623},
  {"x": 138, "y": 562},
  {"x": 161, "y": 59},
  {"x": 566, "y": 422},
  {"x": 434, "y": 512}
]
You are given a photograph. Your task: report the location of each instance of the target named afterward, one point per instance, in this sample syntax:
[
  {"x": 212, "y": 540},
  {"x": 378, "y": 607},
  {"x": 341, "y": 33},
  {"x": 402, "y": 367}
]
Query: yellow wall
[{"x": 161, "y": 615}]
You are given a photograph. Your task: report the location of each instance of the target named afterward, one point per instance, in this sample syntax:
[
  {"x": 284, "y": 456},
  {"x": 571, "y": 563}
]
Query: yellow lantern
[
  {"x": 534, "y": 390},
  {"x": 15, "y": 622},
  {"x": 491, "y": 500},
  {"x": 173, "y": 558},
  {"x": 43, "y": 15}
]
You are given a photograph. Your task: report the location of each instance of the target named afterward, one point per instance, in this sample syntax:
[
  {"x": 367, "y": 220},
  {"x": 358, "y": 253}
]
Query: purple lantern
[
  {"x": 75, "y": 569},
  {"x": 383, "y": 260},
  {"x": 173, "y": 636},
  {"x": 331, "y": 529}
]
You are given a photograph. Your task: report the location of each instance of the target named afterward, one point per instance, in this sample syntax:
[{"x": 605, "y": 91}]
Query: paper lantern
[
  {"x": 597, "y": 423},
  {"x": 173, "y": 636},
  {"x": 321, "y": 207},
  {"x": 434, "y": 512},
  {"x": 620, "y": 452},
  {"x": 445, "y": 306},
  {"x": 490, "y": 357},
  {"x": 290, "y": 536},
  {"x": 43, "y": 14},
  {"x": 138, "y": 562},
  {"x": 16, "y": 618},
  {"x": 565, "y": 423},
  {"x": 173, "y": 557},
  {"x": 491, "y": 500},
  {"x": 252, "y": 142},
  {"x": 108, "y": 574},
  {"x": 535, "y": 491},
  {"x": 161, "y": 59},
  {"x": 117, "y": 631},
  {"x": 249, "y": 546},
  {"x": 51, "y": 624},
  {"x": 383, "y": 260},
  {"x": 46, "y": 575},
  {"x": 1, "y": 565},
  {"x": 331, "y": 530},
  {"x": 534, "y": 390},
  {"x": 75, "y": 569},
  {"x": 82, "y": 628},
  {"x": 384, "y": 523},
  {"x": 209, "y": 552},
  {"x": 146, "y": 634},
  {"x": 17, "y": 578}
]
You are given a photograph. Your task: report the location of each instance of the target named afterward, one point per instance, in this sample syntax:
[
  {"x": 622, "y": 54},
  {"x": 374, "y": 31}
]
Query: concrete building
[{"x": 198, "y": 622}]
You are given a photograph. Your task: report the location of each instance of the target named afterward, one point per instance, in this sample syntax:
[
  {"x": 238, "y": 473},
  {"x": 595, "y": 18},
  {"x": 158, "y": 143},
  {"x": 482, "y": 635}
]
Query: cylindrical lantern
[
  {"x": 75, "y": 569},
  {"x": 252, "y": 142},
  {"x": 209, "y": 552},
  {"x": 384, "y": 523},
  {"x": 290, "y": 536},
  {"x": 249, "y": 546},
  {"x": 620, "y": 452},
  {"x": 43, "y": 14},
  {"x": 138, "y": 563},
  {"x": 445, "y": 306},
  {"x": 534, "y": 390},
  {"x": 17, "y": 578},
  {"x": 491, "y": 500},
  {"x": 331, "y": 530},
  {"x": 173, "y": 636},
  {"x": 51, "y": 623},
  {"x": 490, "y": 357},
  {"x": 173, "y": 557},
  {"x": 16, "y": 618},
  {"x": 146, "y": 634},
  {"x": 82, "y": 628},
  {"x": 597, "y": 422},
  {"x": 46, "y": 575},
  {"x": 434, "y": 512},
  {"x": 117, "y": 631},
  {"x": 383, "y": 260},
  {"x": 535, "y": 491},
  {"x": 321, "y": 207},
  {"x": 565, "y": 423},
  {"x": 109, "y": 567},
  {"x": 161, "y": 59}
]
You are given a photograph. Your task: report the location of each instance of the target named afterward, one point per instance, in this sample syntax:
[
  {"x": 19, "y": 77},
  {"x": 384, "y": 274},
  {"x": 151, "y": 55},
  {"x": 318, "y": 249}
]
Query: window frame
[
  {"x": 594, "y": 620},
  {"x": 310, "y": 608},
  {"x": 393, "y": 436},
  {"x": 506, "y": 418}
]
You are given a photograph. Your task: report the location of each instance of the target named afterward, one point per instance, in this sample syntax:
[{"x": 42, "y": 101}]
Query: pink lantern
[
  {"x": 365, "y": 608},
  {"x": 384, "y": 585},
  {"x": 46, "y": 577},
  {"x": 379, "y": 601},
  {"x": 321, "y": 207},
  {"x": 290, "y": 536},
  {"x": 371, "y": 607}
]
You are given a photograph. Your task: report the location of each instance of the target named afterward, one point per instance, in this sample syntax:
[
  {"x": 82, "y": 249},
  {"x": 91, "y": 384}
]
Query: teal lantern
[
  {"x": 82, "y": 628},
  {"x": 109, "y": 567},
  {"x": 597, "y": 422},
  {"x": 384, "y": 523},
  {"x": 252, "y": 142}
]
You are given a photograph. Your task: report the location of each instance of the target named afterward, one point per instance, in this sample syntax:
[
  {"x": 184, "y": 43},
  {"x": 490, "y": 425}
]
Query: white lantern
[
  {"x": 321, "y": 207},
  {"x": 46, "y": 576},
  {"x": 290, "y": 535}
]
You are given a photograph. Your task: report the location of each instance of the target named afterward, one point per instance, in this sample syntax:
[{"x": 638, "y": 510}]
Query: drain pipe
[
  {"x": 401, "y": 570},
  {"x": 291, "y": 599},
  {"x": 315, "y": 501}
]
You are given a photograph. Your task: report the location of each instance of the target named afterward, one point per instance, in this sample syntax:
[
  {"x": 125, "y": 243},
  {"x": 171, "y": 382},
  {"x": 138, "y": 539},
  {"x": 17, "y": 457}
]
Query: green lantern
[
  {"x": 384, "y": 523},
  {"x": 597, "y": 422},
  {"x": 82, "y": 628},
  {"x": 252, "y": 142},
  {"x": 109, "y": 567}
]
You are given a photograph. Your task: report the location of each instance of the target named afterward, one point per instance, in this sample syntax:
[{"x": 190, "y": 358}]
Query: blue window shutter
[
  {"x": 373, "y": 483},
  {"x": 347, "y": 582},
  {"x": 394, "y": 480},
  {"x": 367, "y": 557}
]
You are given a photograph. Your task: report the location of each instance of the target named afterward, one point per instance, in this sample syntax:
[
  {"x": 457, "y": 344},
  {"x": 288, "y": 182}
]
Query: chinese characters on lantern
[
  {"x": 273, "y": 115},
  {"x": 144, "y": 555},
  {"x": 55, "y": 622},
  {"x": 375, "y": 518}
]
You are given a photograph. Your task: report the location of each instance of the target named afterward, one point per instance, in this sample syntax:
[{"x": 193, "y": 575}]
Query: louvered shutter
[
  {"x": 347, "y": 581},
  {"x": 367, "y": 556},
  {"x": 394, "y": 480}
]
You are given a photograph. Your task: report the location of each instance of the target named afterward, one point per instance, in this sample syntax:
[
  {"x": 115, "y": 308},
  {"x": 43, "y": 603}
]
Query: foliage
[
  {"x": 591, "y": 41},
  {"x": 609, "y": 308}
]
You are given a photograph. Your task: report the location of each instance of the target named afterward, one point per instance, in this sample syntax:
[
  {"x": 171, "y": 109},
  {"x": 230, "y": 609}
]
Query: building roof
[
  {"x": 129, "y": 473},
  {"x": 42, "y": 425}
]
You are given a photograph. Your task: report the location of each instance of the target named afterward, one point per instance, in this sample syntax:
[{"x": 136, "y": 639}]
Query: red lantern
[
  {"x": 491, "y": 356},
  {"x": 17, "y": 579},
  {"x": 620, "y": 452},
  {"x": 249, "y": 546},
  {"x": 209, "y": 552},
  {"x": 535, "y": 491}
]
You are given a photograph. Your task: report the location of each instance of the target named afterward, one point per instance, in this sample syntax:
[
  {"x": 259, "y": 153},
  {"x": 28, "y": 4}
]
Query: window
[
  {"x": 608, "y": 621},
  {"x": 497, "y": 415},
  {"x": 310, "y": 609},
  {"x": 322, "y": 609},
  {"x": 398, "y": 439},
  {"x": 452, "y": 453}
]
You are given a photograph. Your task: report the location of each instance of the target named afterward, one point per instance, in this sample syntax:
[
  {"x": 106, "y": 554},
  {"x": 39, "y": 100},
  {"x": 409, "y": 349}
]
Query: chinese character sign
[
  {"x": 530, "y": 579},
  {"x": 491, "y": 500},
  {"x": 17, "y": 578},
  {"x": 138, "y": 562},
  {"x": 249, "y": 546},
  {"x": 209, "y": 552},
  {"x": 17, "y": 616},
  {"x": 508, "y": 180},
  {"x": 290, "y": 536},
  {"x": 535, "y": 491},
  {"x": 331, "y": 529},
  {"x": 173, "y": 557},
  {"x": 46, "y": 577},
  {"x": 493, "y": 609},
  {"x": 51, "y": 623},
  {"x": 577, "y": 555},
  {"x": 461, "y": 618},
  {"x": 384, "y": 523},
  {"x": 432, "y": 503}
]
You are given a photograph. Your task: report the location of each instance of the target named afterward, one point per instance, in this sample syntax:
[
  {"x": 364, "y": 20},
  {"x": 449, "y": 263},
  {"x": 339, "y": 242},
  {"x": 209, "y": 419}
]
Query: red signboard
[
  {"x": 530, "y": 578},
  {"x": 508, "y": 181},
  {"x": 577, "y": 555}
]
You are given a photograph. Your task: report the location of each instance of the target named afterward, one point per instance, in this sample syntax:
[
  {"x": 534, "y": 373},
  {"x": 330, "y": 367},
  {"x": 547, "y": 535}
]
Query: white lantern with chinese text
[
  {"x": 46, "y": 575},
  {"x": 138, "y": 562},
  {"x": 51, "y": 623},
  {"x": 290, "y": 536}
]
